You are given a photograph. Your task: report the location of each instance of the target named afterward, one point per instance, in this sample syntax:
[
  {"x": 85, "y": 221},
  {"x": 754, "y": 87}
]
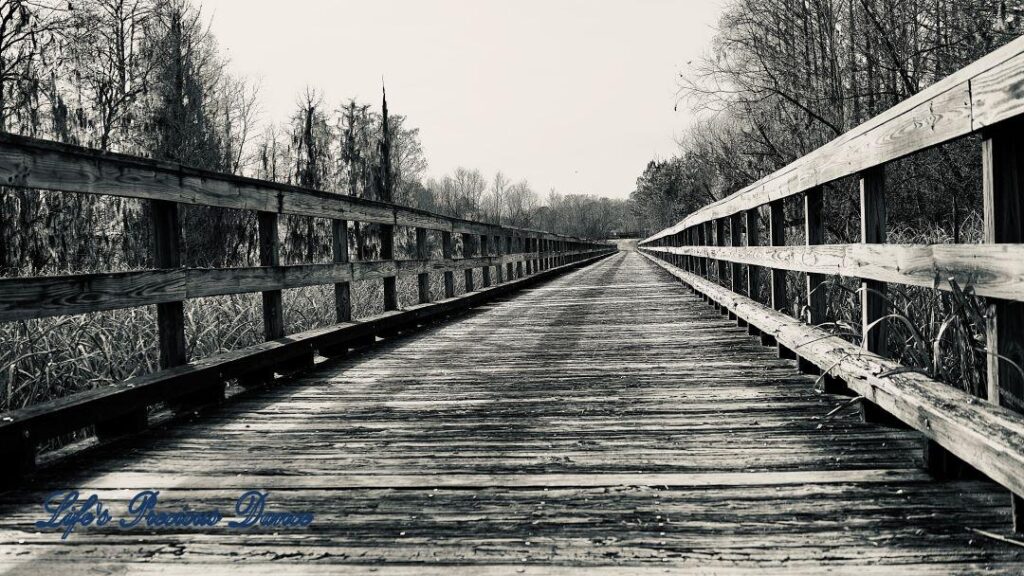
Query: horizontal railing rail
[
  {"x": 516, "y": 256},
  {"x": 716, "y": 251}
]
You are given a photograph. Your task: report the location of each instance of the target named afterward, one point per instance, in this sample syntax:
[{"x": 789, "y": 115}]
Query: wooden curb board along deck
[{"x": 605, "y": 422}]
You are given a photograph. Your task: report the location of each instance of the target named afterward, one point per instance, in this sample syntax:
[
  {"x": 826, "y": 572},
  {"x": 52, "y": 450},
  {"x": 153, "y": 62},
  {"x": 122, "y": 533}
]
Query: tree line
[
  {"x": 784, "y": 77},
  {"x": 146, "y": 77}
]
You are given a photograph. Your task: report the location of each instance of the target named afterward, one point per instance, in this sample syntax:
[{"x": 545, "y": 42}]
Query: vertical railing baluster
[
  {"x": 499, "y": 250},
  {"x": 814, "y": 235},
  {"x": 423, "y": 255},
  {"x": 1003, "y": 173},
  {"x": 777, "y": 236},
  {"x": 873, "y": 231},
  {"x": 170, "y": 316},
  {"x": 446, "y": 254},
  {"x": 339, "y": 254},
  {"x": 467, "y": 252},
  {"x": 720, "y": 265},
  {"x": 485, "y": 252},
  {"x": 387, "y": 254},
  {"x": 510, "y": 273},
  {"x": 736, "y": 274}
]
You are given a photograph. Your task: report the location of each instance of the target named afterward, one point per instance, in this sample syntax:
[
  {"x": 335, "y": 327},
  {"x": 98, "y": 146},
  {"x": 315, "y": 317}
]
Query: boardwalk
[{"x": 608, "y": 418}]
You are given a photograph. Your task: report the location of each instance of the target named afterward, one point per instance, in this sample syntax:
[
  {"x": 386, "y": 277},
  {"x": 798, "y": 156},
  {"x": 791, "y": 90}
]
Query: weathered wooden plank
[
  {"x": 44, "y": 296},
  {"x": 992, "y": 270},
  {"x": 24, "y": 298},
  {"x": 140, "y": 480}
]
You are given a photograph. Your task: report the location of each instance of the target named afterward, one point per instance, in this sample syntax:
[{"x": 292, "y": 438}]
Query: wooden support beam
[
  {"x": 387, "y": 252},
  {"x": 510, "y": 273},
  {"x": 339, "y": 255},
  {"x": 777, "y": 237},
  {"x": 736, "y": 239},
  {"x": 753, "y": 239},
  {"x": 342, "y": 290},
  {"x": 270, "y": 255},
  {"x": 702, "y": 240},
  {"x": 467, "y": 252},
  {"x": 814, "y": 234},
  {"x": 485, "y": 250},
  {"x": 720, "y": 266},
  {"x": 499, "y": 269},
  {"x": 446, "y": 254},
  {"x": 170, "y": 325},
  {"x": 166, "y": 255},
  {"x": 1003, "y": 173},
  {"x": 422, "y": 253},
  {"x": 873, "y": 231}
]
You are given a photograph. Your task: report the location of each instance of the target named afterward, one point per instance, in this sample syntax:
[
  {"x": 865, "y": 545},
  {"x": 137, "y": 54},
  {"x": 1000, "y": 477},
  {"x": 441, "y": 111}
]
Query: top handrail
[
  {"x": 969, "y": 100},
  {"x": 43, "y": 164}
]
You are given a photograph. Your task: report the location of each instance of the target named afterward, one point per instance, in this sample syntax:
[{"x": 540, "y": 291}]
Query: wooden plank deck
[{"x": 606, "y": 422}]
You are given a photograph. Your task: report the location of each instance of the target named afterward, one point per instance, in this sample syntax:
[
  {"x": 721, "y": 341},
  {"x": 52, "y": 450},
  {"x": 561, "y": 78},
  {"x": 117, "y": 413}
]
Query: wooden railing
[
  {"x": 517, "y": 256},
  {"x": 986, "y": 97}
]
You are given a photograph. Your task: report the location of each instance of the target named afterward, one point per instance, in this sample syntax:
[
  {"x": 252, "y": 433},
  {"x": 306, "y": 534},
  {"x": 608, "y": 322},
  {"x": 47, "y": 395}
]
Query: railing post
[
  {"x": 735, "y": 275},
  {"x": 527, "y": 259},
  {"x": 777, "y": 236},
  {"x": 387, "y": 254},
  {"x": 485, "y": 252},
  {"x": 753, "y": 272},
  {"x": 270, "y": 255},
  {"x": 519, "y": 255},
  {"x": 467, "y": 252},
  {"x": 873, "y": 231},
  {"x": 499, "y": 267},
  {"x": 339, "y": 254},
  {"x": 423, "y": 254},
  {"x": 510, "y": 271},
  {"x": 703, "y": 242},
  {"x": 170, "y": 323},
  {"x": 1003, "y": 172},
  {"x": 342, "y": 291},
  {"x": 273, "y": 311},
  {"x": 753, "y": 286},
  {"x": 720, "y": 267},
  {"x": 446, "y": 254},
  {"x": 170, "y": 316},
  {"x": 814, "y": 235}
]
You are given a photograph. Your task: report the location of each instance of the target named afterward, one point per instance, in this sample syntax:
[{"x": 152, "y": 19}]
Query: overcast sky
[{"x": 569, "y": 94}]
